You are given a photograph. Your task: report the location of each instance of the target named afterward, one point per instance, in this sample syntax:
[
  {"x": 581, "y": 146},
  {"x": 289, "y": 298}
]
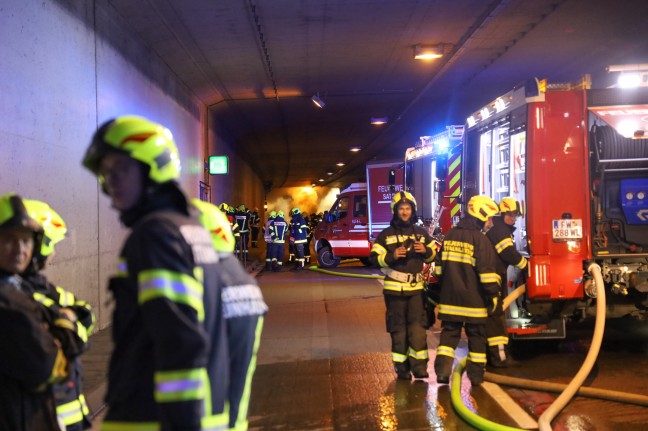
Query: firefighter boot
[
  {"x": 402, "y": 371},
  {"x": 500, "y": 357},
  {"x": 475, "y": 372},
  {"x": 443, "y": 368}
]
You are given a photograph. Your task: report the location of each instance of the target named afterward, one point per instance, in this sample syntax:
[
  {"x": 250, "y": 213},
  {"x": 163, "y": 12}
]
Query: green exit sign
[{"x": 218, "y": 165}]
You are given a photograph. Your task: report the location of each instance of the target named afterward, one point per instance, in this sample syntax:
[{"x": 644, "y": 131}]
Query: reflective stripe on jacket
[{"x": 469, "y": 277}]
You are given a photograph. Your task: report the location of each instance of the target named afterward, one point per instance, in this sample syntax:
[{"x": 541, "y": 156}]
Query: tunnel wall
[{"x": 66, "y": 67}]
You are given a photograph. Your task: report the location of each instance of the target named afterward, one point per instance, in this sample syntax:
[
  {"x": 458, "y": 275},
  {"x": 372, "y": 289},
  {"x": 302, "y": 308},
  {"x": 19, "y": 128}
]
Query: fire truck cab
[
  {"x": 577, "y": 160},
  {"x": 343, "y": 233},
  {"x": 360, "y": 212}
]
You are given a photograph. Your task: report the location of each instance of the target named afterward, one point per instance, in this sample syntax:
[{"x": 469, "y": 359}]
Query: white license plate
[{"x": 567, "y": 229}]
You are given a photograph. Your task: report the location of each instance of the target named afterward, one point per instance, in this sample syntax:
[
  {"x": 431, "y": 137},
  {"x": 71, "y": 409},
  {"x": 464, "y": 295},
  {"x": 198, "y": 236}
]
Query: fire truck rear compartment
[{"x": 619, "y": 190}]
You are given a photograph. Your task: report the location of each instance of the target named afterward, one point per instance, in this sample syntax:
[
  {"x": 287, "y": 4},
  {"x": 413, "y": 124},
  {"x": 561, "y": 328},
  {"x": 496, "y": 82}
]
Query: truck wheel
[
  {"x": 365, "y": 261},
  {"x": 326, "y": 259}
]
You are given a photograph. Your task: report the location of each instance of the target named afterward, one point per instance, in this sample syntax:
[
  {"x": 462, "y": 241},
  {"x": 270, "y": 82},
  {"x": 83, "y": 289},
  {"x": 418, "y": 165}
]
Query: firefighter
[
  {"x": 501, "y": 236},
  {"x": 400, "y": 251},
  {"x": 469, "y": 290},
  {"x": 230, "y": 211},
  {"x": 32, "y": 358},
  {"x": 242, "y": 219},
  {"x": 169, "y": 367},
  {"x": 309, "y": 238},
  {"x": 254, "y": 226},
  {"x": 243, "y": 308},
  {"x": 267, "y": 236},
  {"x": 71, "y": 406},
  {"x": 278, "y": 230},
  {"x": 298, "y": 231}
]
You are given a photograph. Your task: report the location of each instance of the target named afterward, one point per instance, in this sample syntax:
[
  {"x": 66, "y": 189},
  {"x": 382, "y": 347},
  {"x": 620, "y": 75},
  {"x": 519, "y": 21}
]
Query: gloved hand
[{"x": 492, "y": 305}]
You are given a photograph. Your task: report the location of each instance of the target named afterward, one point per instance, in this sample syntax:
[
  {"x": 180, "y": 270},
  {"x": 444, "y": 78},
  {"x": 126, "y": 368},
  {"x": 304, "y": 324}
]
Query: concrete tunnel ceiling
[{"x": 256, "y": 64}]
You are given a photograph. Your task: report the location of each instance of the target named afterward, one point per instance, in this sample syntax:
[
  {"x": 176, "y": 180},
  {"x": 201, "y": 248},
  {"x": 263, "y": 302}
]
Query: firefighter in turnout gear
[
  {"x": 278, "y": 230},
  {"x": 298, "y": 231},
  {"x": 170, "y": 364},
  {"x": 501, "y": 236},
  {"x": 243, "y": 308},
  {"x": 71, "y": 406},
  {"x": 229, "y": 213},
  {"x": 309, "y": 238},
  {"x": 254, "y": 226},
  {"x": 32, "y": 357},
  {"x": 267, "y": 237},
  {"x": 400, "y": 251},
  {"x": 242, "y": 219},
  {"x": 469, "y": 290}
]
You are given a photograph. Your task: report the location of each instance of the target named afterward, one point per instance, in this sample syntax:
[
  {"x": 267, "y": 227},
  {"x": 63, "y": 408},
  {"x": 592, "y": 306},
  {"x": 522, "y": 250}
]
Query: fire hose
[{"x": 567, "y": 391}]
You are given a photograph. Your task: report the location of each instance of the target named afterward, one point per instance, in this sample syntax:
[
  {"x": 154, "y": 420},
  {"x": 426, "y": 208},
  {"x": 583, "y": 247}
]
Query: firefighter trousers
[
  {"x": 406, "y": 320},
  {"x": 497, "y": 337},
  {"x": 244, "y": 333},
  {"x": 450, "y": 336}
]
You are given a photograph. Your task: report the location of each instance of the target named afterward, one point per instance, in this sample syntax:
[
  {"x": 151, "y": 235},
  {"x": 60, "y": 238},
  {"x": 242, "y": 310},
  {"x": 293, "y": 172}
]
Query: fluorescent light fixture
[
  {"x": 379, "y": 120},
  {"x": 428, "y": 52},
  {"x": 317, "y": 101},
  {"x": 355, "y": 149}
]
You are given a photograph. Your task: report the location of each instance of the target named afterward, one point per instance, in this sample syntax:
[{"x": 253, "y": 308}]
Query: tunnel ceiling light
[
  {"x": 330, "y": 173},
  {"x": 317, "y": 101},
  {"x": 355, "y": 149},
  {"x": 379, "y": 120},
  {"x": 340, "y": 164},
  {"x": 428, "y": 52},
  {"x": 321, "y": 180}
]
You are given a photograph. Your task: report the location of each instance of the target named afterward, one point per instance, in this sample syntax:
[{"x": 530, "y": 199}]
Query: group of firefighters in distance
[
  {"x": 299, "y": 230},
  {"x": 471, "y": 266}
]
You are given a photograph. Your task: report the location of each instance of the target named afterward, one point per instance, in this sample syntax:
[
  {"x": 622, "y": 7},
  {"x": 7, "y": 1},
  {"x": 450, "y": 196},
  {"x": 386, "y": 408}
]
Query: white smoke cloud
[{"x": 308, "y": 199}]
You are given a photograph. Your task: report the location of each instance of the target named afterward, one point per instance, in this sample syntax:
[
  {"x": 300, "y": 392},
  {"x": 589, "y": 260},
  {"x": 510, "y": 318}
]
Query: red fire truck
[
  {"x": 432, "y": 175},
  {"x": 359, "y": 214},
  {"x": 577, "y": 160}
]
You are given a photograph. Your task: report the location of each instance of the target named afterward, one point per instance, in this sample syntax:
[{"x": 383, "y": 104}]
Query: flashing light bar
[
  {"x": 533, "y": 90},
  {"x": 436, "y": 144}
]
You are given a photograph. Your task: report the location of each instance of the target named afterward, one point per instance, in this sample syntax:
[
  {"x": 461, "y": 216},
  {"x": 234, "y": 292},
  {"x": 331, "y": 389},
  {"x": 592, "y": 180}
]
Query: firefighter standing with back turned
[
  {"x": 501, "y": 236},
  {"x": 169, "y": 367},
  {"x": 469, "y": 290},
  {"x": 243, "y": 308},
  {"x": 400, "y": 251}
]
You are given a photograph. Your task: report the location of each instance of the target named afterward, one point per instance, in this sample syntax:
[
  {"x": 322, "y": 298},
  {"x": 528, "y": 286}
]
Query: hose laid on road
[
  {"x": 544, "y": 422},
  {"x": 585, "y": 391},
  {"x": 345, "y": 274},
  {"x": 472, "y": 418}
]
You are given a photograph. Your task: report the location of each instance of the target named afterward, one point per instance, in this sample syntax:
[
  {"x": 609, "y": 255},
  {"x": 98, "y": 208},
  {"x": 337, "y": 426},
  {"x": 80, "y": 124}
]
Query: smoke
[{"x": 308, "y": 199}]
